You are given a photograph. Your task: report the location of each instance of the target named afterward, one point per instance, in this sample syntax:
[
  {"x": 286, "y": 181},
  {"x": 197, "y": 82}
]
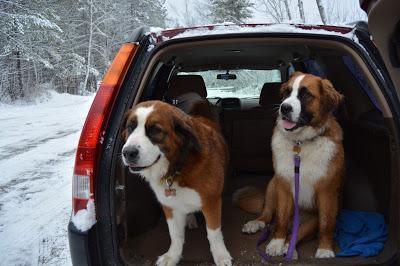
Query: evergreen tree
[
  {"x": 68, "y": 44},
  {"x": 236, "y": 11}
]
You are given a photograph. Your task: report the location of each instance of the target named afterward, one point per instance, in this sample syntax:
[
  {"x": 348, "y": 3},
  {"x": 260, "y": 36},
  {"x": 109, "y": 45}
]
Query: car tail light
[{"x": 91, "y": 136}]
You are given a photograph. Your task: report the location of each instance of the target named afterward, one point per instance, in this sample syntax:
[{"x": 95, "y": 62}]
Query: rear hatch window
[{"x": 247, "y": 83}]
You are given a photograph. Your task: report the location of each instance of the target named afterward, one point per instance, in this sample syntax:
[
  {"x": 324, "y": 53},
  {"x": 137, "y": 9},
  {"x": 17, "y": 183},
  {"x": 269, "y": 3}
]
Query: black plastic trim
[
  {"x": 80, "y": 246},
  {"x": 107, "y": 230},
  {"x": 139, "y": 33}
]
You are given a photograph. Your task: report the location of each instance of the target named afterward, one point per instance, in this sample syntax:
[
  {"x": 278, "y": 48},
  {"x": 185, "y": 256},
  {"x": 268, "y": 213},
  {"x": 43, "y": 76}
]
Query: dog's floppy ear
[
  {"x": 123, "y": 131},
  {"x": 283, "y": 88},
  {"x": 185, "y": 132},
  {"x": 332, "y": 98}
]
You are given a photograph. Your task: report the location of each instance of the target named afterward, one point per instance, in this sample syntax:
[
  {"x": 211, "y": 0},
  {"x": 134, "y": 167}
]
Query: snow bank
[{"x": 86, "y": 218}]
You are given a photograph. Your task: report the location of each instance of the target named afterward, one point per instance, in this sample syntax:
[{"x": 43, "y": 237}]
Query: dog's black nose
[
  {"x": 286, "y": 108},
  {"x": 130, "y": 153}
]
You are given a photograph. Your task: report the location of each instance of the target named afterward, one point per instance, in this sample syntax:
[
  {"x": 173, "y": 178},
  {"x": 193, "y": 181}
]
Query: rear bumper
[{"x": 82, "y": 246}]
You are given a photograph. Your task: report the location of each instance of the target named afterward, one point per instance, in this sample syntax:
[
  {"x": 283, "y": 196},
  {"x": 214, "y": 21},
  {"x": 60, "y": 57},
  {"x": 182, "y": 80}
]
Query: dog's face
[
  {"x": 155, "y": 132},
  {"x": 307, "y": 100}
]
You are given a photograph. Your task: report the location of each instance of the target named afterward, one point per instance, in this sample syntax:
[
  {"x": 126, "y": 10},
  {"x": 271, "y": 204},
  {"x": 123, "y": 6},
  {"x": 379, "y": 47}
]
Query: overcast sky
[{"x": 338, "y": 11}]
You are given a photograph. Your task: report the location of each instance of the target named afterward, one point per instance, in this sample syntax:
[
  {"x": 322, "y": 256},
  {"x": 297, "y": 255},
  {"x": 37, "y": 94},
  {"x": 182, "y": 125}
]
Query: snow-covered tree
[
  {"x": 24, "y": 29},
  {"x": 66, "y": 43},
  {"x": 237, "y": 11}
]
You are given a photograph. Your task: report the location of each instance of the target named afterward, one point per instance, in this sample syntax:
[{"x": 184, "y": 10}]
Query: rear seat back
[{"x": 248, "y": 132}]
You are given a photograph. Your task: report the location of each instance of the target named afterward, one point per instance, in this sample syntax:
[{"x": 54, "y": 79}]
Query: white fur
[
  {"x": 293, "y": 100},
  {"x": 275, "y": 247},
  {"x": 217, "y": 246},
  {"x": 316, "y": 155},
  {"x": 324, "y": 253},
  {"x": 176, "y": 226},
  {"x": 253, "y": 226},
  {"x": 148, "y": 152},
  {"x": 155, "y": 172},
  {"x": 187, "y": 200}
]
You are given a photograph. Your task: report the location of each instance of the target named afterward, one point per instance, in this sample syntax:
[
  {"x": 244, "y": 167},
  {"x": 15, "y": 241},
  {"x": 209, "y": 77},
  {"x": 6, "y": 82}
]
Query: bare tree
[
  {"x": 279, "y": 10},
  {"x": 89, "y": 52},
  {"x": 321, "y": 11},
  {"x": 338, "y": 12},
  {"x": 301, "y": 10},
  {"x": 288, "y": 9}
]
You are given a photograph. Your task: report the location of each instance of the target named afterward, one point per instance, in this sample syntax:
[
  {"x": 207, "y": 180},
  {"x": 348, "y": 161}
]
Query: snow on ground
[{"x": 37, "y": 150}]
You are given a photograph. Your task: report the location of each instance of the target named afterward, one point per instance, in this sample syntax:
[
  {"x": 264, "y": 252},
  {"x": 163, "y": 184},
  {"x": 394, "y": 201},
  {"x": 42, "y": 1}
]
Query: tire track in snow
[
  {"x": 26, "y": 145},
  {"x": 35, "y": 180}
]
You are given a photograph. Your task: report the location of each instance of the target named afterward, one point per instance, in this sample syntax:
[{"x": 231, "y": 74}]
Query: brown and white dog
[
  {"x": 305, "y": 117},
  {"x": 183, "y": 158}
]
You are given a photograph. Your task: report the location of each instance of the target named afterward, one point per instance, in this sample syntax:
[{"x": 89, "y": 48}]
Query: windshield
[{"x": 248, "y": 82}]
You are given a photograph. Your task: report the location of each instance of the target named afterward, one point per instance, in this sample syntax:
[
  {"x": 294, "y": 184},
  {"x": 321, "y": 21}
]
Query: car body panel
[
  {"x": 99, "y": 245},
  {"x": 383, "y": 18}
]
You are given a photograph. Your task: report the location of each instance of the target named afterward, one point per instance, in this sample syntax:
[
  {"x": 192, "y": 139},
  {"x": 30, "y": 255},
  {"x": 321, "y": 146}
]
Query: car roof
[{"x": 161, "y": 35}]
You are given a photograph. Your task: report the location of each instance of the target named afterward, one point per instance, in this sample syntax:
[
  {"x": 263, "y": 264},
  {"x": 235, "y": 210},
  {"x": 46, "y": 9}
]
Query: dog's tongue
[{"x": 288, "y": 124}]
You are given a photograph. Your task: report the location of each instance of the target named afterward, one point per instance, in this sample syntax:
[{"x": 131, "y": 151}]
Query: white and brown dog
[
  {"x": 183, "y": 158},
  {"x": 305, "y": 118}
]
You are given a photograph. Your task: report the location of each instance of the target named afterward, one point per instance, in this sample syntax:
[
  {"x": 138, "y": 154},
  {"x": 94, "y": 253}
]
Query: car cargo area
[{"x": 246, "y": 124}]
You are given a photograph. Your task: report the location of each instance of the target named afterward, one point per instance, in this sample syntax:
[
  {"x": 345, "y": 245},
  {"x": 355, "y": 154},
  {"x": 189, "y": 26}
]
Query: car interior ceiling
[{"x": 247, "y": 126}]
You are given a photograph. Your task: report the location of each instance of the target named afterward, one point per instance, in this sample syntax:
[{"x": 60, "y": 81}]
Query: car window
[{"x": 248, "y": 82}]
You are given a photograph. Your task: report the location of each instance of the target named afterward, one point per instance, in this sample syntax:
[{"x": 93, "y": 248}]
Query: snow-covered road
[{"x": 37, "y": 150}]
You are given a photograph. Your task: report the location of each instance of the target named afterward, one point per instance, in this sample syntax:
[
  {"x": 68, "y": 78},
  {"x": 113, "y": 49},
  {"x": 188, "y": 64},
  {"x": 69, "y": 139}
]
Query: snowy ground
[{"x": 37, "y": 149}]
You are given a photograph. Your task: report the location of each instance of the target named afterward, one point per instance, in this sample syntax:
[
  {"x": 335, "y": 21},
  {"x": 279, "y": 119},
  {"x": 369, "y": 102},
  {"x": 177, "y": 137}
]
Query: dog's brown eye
[
  {"x": 286, "y": 93},
  {"x": 153, "y": 130},
  {"x": 305, "y": 94},
  {"x": 131, "y": 127}
]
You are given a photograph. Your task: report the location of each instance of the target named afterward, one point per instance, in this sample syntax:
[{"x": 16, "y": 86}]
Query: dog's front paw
[
  {"x": 167, "y": 260},
  {"x": 191, "y": 221},
  {"x": 223, "y": 260},
  {"x": 253, "y": 226},
  {"x": 286, "y": 249},
  {"x": 275, "y": 247},
  {"x": 324, "y": 253}
]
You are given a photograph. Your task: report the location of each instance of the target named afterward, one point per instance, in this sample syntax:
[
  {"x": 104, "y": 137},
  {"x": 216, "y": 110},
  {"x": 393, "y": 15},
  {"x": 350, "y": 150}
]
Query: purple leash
[
  {"x": 296, "y": 221},
  {"x": 262, "y": 239}
]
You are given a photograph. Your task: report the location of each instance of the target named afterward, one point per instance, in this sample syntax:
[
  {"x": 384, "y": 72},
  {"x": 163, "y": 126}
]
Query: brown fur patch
[{"x": 167, "y": 212}]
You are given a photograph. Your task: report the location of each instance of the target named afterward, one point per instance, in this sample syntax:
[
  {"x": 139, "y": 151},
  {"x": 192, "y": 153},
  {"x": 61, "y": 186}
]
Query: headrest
[
  {"x": 186, "y": 101},
  {"x": 270, "y": 94},
  {"x": 182, "y": 84}
]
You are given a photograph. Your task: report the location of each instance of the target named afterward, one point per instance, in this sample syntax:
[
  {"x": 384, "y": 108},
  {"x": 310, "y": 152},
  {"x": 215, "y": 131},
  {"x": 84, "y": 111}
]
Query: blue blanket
[{"x": 360, "y": 233}]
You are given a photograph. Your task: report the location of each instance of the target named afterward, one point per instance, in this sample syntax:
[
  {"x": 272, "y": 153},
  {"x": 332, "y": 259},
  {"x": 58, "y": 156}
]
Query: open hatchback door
[{"x": 384, "y": 26}]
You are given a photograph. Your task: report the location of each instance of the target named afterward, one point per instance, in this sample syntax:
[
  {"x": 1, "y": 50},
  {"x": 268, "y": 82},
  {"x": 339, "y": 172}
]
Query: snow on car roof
[{"x": 161, "y": 35}]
